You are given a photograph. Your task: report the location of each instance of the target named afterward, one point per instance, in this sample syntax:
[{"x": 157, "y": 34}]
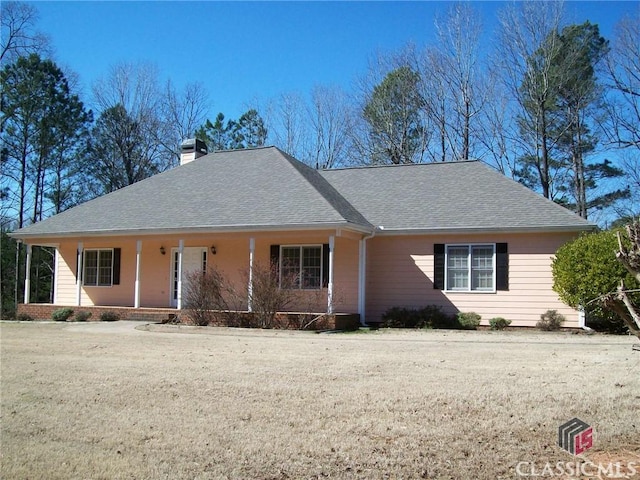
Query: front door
[{"x": 193, "y": 259}]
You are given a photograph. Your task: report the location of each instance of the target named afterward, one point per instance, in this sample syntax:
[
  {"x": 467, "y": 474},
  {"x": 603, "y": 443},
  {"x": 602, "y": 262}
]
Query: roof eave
[
  {"x": 475, "y": 230},
  {"x": 144, "y": 232}
]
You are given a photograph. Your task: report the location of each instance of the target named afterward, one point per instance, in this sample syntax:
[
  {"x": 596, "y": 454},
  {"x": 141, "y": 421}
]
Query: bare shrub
[
  {"x": 204, "y": 295},
  {"x": 270, "y": 294},
  {"x": 109, "y": 316},
  {"x": 82, "y": 316}
]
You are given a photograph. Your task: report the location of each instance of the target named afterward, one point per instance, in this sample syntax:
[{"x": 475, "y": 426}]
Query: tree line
[{"x": 553, "y": 105}]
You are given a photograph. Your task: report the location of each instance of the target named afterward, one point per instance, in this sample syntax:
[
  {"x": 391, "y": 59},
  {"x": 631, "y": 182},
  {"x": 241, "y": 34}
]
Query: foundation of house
[{"x": 282, "y": 320}]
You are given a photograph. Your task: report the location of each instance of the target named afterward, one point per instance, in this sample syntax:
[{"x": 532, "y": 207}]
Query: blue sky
[{"x": 241, "y": 51}]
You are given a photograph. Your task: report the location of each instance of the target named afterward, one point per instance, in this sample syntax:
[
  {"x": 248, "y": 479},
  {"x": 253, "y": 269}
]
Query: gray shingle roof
[
  {"x": 264, "y": 188},
  {"x": 252, "y": 189},
  {"x": 456, "y": 196}
]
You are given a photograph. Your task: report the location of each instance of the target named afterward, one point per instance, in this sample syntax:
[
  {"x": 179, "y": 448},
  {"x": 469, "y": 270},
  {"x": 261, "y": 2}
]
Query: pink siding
[
  {"x": 400, "y": 273},
  {"x": 65, "y": 275},
  {"x": 232, "y": 258}
]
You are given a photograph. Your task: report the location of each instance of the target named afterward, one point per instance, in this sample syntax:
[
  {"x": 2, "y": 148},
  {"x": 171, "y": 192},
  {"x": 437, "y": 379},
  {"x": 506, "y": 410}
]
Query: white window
[
  {"x": 98, "y": 268},
  {"x": 301, "y": 267},
  {"x": 470, "y": 268}
]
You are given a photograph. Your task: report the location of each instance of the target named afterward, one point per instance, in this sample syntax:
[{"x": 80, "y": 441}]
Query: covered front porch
[{"x": 147, "y": 275}]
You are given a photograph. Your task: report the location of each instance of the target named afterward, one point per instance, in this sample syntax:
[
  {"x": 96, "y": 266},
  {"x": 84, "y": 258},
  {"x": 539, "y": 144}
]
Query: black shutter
[
  {"x": 275, "y": 262},
  {"x": 502, "y": 266},
  {"x": 116, "y": 266},
  {"x": 275, "y": 256},
  {"x": 325, "y": 265},
  {"x": 438, "y": 266}
]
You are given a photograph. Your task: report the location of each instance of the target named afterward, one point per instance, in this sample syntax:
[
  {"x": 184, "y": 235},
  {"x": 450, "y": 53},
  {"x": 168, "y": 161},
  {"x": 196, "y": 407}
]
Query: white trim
[
  {"x": 27, "y": 275},
  {"x": 267, "y": 228},
  {"x": 469, "y": 247},
  {"x": 332, "y": 243},
  {"x": 56, "y": 269},
  {"x": 179, "y": 295},
  {"x": 79, "y": 273},
  {"x": 252, "y": 247},
  {"x": 97, "y": 284},
  {"x": 204, "y": 259},
  {"x": 301, "y": 246},
  {"x": 136, "y": 301},
  {"x": 390, "y": 231}
]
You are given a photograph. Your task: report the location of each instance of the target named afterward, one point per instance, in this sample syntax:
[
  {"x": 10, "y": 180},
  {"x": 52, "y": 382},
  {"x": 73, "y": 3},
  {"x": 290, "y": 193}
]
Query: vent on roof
[{"x": 191, "y": 149}]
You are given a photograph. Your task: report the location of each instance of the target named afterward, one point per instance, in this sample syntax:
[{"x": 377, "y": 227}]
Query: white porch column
[
  {"x": 79, "y": 274},
  {"x": 27, "y": 276},
  {"x": 332, "y": 241},
  {"x": 180, "y": 250},
  {"x": 252, "y": 247},
  {"x": 136, "y": 301}
]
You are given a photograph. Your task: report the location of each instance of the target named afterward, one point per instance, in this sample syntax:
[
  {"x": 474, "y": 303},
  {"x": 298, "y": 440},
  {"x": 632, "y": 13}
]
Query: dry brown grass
[{"x": 107, "y": 401}]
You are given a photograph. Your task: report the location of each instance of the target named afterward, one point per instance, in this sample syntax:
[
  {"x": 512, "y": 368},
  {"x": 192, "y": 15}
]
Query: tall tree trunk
[{"x": 545, "y": 181}]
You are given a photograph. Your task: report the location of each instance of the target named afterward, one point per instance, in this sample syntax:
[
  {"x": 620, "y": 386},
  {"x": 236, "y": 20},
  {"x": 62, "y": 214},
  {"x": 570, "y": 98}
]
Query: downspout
[
  {"x": 582, "y": 320},
  {"x": 362, "y": 274}
]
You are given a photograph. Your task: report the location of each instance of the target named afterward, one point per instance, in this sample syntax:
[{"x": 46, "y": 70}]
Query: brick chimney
[{"x": 191, "y": 149}]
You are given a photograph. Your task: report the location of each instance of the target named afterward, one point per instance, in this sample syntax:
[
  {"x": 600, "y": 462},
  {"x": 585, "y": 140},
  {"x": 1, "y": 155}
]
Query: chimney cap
[{"x": 193, "y": 145}]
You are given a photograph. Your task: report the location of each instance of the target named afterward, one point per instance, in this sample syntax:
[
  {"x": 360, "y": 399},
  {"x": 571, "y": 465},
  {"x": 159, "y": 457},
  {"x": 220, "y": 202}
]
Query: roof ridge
[
  {"x": 400, "y": 165},
  {"x": 337, "y": 200},
  {"x": 228, "y": 150}
]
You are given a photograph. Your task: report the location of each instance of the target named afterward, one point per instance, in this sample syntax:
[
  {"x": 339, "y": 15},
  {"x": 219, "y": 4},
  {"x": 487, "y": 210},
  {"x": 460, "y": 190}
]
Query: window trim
[
  {"x": 320, "y": 247},
  {"x": 470, "y": 247},
  {"x": 84, "y": 267}
]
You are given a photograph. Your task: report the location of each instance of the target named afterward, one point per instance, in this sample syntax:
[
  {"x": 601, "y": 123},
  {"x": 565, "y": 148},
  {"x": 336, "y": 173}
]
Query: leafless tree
[
  {"x": 182, "y": 113},
  {"x": 622, "y": 70},
  {"x": 330, "y": 121},
  {"x": 525, "y": 53},
  {"x": 457, "y": 63},
  {"x": 436, "y": 103},
  {"x": 497, "y": 134},
  {"x": 287, "y": 121},
  {"x": 625, "y": 300},
  {"x": 134, "y": 135},
  {"x": 18, "y": 34}
]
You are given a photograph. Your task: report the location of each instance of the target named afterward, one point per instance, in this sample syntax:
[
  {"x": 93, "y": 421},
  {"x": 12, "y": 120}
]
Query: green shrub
[
  {"x": 109, "y": 316},
  {"x": 499, "y": 323},
  {"x": 584, "y": 270},
  {"x": 82, "y": 316},
  {"x": 62, "y": 314},
  {"x": 430, "y": 316},
  {"x": 468, "y": 320},
  {"x": 400, "y": 317},
  {"x": 24, "y": 317},
  {"x": 439, "y": 319},
  {"x": 550, "y": 321}
]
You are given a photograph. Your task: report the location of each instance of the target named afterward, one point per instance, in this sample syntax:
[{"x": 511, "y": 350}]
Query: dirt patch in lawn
[{"x": 112, "y": 401}]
